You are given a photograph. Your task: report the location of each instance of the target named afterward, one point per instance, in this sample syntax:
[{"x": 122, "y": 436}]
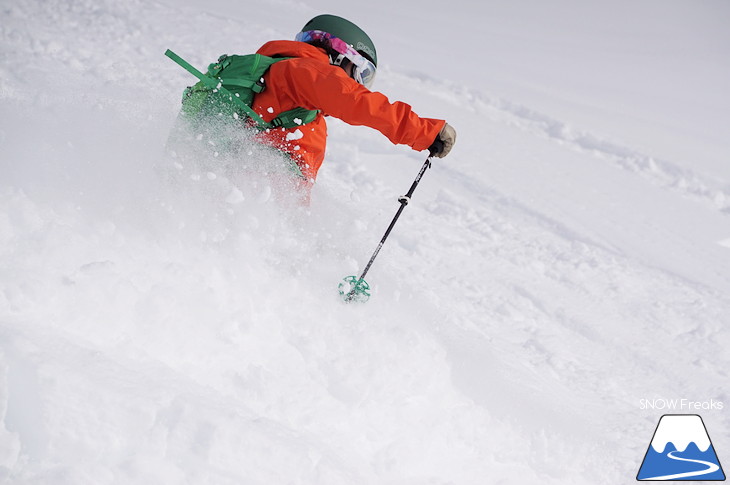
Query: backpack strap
[{"x": 294, "y": 117}]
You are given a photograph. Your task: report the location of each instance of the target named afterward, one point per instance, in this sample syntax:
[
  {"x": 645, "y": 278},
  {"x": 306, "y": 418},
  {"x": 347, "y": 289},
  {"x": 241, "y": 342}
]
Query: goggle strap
[
  {"x": 337, "y": 61},
  {"x": 360, "y": 63}
]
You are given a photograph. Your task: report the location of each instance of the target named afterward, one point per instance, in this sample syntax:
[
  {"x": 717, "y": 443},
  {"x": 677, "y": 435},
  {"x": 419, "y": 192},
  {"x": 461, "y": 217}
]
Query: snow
[
  {"x": 568, "y": 259},
  {"x": 295, "y": 135}
]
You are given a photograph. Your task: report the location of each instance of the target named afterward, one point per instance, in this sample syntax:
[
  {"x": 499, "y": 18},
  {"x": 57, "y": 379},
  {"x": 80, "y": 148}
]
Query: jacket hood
[{"x": 292, "y": 48}]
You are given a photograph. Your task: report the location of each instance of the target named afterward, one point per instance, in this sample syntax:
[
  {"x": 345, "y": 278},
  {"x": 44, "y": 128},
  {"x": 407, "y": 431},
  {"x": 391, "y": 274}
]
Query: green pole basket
[{"x": 354, "y": 289}]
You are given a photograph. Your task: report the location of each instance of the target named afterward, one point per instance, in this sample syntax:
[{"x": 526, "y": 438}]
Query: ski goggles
[{"x": 363, "y": 71}]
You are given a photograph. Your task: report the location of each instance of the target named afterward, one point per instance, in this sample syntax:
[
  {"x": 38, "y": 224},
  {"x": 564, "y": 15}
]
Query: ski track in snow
[
  {"x": 712, "y": 191},
  {"x": 148, "y": 334}
]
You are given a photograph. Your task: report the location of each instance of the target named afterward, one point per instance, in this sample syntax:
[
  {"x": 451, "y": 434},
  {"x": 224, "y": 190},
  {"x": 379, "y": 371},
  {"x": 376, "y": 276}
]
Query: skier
[
  {"x": 326, "y": 71},
  {"x": 332, "y": 66}
]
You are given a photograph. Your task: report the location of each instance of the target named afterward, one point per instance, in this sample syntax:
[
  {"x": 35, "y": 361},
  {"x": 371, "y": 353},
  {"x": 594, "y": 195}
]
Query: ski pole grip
[{"x": 436, "y": 147}]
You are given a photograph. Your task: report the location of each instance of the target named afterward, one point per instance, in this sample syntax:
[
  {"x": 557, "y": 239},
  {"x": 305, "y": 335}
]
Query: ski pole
[{"x": 358, "y": 287}]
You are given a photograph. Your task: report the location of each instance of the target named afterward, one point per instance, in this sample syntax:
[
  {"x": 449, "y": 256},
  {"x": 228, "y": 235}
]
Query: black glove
[{"x": 444, "y": 142}]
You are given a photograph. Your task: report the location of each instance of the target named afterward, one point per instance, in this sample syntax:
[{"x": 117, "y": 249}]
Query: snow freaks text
[{"x": 681, "y": 405}]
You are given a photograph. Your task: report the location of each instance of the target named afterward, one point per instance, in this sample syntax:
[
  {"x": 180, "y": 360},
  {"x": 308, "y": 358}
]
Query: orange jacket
[{"x": 310, "y": 81}]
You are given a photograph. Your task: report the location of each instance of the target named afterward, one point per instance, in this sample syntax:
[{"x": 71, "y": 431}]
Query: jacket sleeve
[{"x": 314, "y": 85}]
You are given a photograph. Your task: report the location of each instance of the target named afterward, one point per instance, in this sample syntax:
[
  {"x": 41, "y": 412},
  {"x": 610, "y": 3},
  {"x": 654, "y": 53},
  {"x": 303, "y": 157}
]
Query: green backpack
[{"x": 228, "y": 89}]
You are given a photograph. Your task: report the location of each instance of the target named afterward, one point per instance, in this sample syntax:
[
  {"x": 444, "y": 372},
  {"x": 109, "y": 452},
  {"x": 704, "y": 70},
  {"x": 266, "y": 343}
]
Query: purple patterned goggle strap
[{"x": 363, "y": 70}]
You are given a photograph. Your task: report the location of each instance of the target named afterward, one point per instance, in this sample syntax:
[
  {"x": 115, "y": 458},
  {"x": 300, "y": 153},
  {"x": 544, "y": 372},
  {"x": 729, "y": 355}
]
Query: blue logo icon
[{"x": 681, "y": 450}]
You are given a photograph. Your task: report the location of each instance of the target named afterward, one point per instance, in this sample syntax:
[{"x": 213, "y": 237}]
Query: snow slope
[{"x": 570, "y": 258}]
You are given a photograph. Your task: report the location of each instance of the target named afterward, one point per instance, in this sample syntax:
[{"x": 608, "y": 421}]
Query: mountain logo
[{"x": 681, "y": 450}]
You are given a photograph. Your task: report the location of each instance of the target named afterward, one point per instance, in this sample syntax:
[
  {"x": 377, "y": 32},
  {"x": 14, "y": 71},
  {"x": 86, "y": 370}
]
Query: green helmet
[{"x": 345, "y": 30}]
